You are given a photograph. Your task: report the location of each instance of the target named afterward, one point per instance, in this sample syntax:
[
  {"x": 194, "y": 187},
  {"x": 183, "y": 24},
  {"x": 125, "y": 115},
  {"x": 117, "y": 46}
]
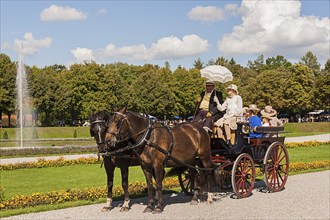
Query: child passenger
[
  {"x": 233, "y": 106},
  {"x": 254, "y": 120}
]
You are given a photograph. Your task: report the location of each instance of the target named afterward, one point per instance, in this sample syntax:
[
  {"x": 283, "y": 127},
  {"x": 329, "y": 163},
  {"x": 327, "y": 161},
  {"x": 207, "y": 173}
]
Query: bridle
[
  {"x": 129, "y": 136},
  {"x": 99, "y": 121}
]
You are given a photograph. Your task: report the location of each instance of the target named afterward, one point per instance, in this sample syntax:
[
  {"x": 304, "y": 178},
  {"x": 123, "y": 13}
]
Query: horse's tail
[{"x": 175, "y": 171}]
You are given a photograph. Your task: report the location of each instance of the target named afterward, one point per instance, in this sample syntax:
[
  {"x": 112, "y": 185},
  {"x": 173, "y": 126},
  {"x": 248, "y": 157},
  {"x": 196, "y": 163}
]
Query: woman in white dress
[{"x": 234, "y": 108}]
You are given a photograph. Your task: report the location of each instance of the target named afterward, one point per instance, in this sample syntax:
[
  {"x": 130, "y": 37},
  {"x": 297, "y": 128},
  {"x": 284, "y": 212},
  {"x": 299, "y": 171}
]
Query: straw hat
[
  {"x": 209, "y": 82},
  {"x": 245, "y": 110},
  {"x": 266, "y": 115},
  {"x": 233, "y": 87},
  {"x": 253, "y": 107},
  {"x": 269, "y": 110}
]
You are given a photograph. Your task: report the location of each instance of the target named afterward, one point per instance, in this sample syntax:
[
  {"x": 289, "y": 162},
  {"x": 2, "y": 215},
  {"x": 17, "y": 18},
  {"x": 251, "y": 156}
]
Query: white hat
[
  {"x": 269, "y": 110},
  {"x": 233, "y": 87},
  {"x": 209, "y": 82},
  {"x": 253, "y": 107}
]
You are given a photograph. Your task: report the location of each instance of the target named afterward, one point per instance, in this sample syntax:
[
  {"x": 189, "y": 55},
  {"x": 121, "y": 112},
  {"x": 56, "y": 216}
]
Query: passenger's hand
[
  {"x": 209, "y": 114},
  {"x": 216, "y": 100}
]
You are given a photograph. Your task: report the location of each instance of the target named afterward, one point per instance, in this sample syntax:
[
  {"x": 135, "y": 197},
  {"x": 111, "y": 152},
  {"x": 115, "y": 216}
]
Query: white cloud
[
  {"x": 206, "y": 13},
  {"x": 231, "y": 7},
  {"x": 165, "y": 48},
  {"x": 30, "y": 45},
  {"x": 59, "y": 13},
  {"x": 276, "y": 27},
  {"x": 102, "y": 11}
]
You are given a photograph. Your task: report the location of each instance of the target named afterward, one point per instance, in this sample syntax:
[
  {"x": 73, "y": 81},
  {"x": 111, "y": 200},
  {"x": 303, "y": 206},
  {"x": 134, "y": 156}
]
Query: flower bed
[
  {"x": 91, "y": 194},
  {"x": 46, "y": 150},
  {"x": 306, "y": 144}
]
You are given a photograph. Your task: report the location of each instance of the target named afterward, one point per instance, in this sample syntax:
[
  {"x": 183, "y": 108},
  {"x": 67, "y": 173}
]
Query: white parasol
[{"x": 217, "y": 73}]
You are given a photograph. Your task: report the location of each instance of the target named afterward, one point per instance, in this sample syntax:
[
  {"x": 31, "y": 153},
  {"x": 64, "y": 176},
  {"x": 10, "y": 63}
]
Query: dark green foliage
[
  {"x": 5, "y": 135},
  {"x": 70, "y": 94}
]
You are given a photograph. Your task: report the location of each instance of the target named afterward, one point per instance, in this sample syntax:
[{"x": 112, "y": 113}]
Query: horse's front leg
[
  {"x": 124, "y": 181},
  {"x": 151, "y": 201},
  {"x": 109, "y": 168},
  {"x": 159, "y": 176}
]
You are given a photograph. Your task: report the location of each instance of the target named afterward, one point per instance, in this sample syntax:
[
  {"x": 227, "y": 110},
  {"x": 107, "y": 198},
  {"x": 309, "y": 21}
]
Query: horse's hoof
[
  {"x": 209, "y": 202},
  {"x": 157, "y": 210},
  {"x": 124, "y": 209},
  {"x": 194, "y": 202},
  {"x": 147, "y": 210},
  {"x": 105, "y": 209}
]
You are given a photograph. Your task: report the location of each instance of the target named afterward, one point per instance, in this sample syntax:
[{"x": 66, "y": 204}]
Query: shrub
[
  {"x": 35, "y": 134},
  {"x": 75, "y": 133},
  {"x": 5, "y": 135},
  {"x": 47, "y": 150}
]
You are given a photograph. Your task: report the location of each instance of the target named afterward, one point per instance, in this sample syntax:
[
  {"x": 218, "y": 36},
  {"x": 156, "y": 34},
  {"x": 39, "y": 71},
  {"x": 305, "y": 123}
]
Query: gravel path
[
  {"x": 319, "y": 137},
  {"x": 306, "y": 196}
]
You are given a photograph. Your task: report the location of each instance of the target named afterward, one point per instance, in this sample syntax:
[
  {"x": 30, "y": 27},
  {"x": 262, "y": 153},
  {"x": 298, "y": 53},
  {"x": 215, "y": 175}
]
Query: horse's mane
[{"x": 101, "y": 115}]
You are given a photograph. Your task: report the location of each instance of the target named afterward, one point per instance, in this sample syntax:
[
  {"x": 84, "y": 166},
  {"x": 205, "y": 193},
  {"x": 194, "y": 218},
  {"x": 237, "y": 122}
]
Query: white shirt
[{"x": 233, "y": 106}]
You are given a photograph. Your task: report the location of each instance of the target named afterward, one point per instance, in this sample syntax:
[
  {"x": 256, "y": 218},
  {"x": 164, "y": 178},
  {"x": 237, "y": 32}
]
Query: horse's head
[
  {"x": 118, "y": 130},
  {"x": 98, "y": 129}
]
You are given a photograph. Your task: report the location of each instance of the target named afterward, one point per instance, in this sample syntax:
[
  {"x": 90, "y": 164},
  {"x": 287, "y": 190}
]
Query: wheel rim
[
  {"x": 186, "y": 181},
  {"x": 276, "y": 164},
  {"x": 243, "y": 176}
]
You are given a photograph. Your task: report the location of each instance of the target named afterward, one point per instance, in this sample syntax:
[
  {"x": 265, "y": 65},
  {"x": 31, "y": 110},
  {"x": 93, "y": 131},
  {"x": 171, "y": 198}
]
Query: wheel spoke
[{"x": 284, "y": 156}]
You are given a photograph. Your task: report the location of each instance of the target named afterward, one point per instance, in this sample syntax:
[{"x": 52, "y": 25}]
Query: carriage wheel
[
  {"x": 226, "y": 178},
  {"x": 243, "y": 175},
  {"x": 186, "y": 180},
  {"x": 276, "y": 165}
]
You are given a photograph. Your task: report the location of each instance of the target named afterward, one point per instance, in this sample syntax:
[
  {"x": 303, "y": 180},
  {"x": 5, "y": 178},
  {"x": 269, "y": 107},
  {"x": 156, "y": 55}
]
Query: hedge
[
  {"x": 41, "y": 163},
  {"x": 91, "y": 194},
  {"x": 46, "y": 150}
]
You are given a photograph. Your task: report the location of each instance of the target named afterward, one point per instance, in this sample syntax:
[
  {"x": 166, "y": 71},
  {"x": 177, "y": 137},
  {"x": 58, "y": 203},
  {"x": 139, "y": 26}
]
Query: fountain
[{"x": 22, "y": 99}]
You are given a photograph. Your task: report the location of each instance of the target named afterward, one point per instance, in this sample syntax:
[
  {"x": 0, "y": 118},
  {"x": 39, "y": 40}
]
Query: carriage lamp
[{"x": 246, "y": 129}]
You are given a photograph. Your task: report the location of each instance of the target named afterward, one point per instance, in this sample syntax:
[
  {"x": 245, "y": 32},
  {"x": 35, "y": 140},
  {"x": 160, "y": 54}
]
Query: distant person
[
  {"x": 233, "y": 106},
  {"x": 273, "y": 114},
  {"x": 207, "y": 111},
  {"x": 266, "y": 122},
  {"x": 254, "y": 120}
]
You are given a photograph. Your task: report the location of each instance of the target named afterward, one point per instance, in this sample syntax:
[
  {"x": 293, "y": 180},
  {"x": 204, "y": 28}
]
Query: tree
[
  {"x": 322, "y": 91},
  {"x": 258, "y": 64},
  {"x": 310, "y": 60},
  {"x": 7, "y": 86},
  {"x": 327, "y": 66},
  {"x": 277, "y": 62},
  {"x": 198, "y": 64},
  {"x": 167, "y": 64},
  {"x": 43, "y": 87}
]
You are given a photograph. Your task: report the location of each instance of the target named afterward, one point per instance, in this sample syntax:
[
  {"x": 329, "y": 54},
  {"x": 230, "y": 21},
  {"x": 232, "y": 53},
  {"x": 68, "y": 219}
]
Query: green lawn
[
  {"x": 309, "y": 154},
  {"x": 305, "y": 129},
  {"x": 50, "y": 143},
  {"x": 48, "y": 132},
  {"x": 28, "y": 181}
]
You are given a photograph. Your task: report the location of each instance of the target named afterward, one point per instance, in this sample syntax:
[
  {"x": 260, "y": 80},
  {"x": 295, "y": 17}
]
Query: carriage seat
[{"x": 269, "y": 130}]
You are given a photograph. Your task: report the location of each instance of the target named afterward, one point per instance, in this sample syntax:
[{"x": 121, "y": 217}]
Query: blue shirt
[{"x": 254, "y": 122}]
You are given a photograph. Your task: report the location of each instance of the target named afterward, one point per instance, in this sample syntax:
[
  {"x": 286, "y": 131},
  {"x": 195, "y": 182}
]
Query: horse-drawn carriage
[
  {"x": 131, "y": 136},
  {"x": 237, "y": 165}
]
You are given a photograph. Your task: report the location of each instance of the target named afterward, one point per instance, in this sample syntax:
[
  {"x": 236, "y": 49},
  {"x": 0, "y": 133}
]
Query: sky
[{"x": 139, "y": 32}]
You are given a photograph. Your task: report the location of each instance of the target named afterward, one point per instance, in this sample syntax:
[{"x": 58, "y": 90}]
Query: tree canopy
[{"x": 61, "y": 93}]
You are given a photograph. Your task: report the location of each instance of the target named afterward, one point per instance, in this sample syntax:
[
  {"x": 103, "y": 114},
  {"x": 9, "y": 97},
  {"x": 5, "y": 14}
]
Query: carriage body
[{"x": 238, "y": 165}]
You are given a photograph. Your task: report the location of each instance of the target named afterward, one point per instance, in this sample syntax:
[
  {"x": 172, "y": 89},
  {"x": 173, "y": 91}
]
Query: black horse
[
  {"x": 98, "y": 130},
  {"x": 156, "y": 145}
]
